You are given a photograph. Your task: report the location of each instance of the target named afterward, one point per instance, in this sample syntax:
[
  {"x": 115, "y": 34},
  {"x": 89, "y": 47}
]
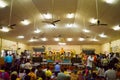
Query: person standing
[
  {"x": 101, "y": 73},
  {"x": 110, "y": 74},
  {"x": 61, "y": 75},
  {"x": 8, "y": 61},
  {"x": 40, "y": 73},
  {"x": 90, "y": 60},
  {"x": 28, "y": 65},
  {"x": 74, "y": 75},
  {"x": 48, "y": 73},
  {"x": 32, "y": 74},
  {"x": 57, "y": 69}
]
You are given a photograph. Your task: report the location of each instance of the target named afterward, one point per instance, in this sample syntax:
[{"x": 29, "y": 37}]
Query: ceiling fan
[
  {"x": 98, "y": 22},
  {"x": 51, "y": 22},
  {"x": 10, "y": 26}
]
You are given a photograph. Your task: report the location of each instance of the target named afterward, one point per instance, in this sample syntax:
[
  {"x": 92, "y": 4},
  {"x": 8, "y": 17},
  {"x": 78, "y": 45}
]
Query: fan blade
[
  {"x": 93, "y": 24},
  {"x": 103, "y": 24},
  {"x": 55, "y": 21},
  {"x": 98, "y": 24},
  {"x": 34, "y": 37},
  {"x": 46, "y": 21},
  {"x": 1, "y": 27},
  {"x": 12, "y": 26},
  {"x": 53, "y": 24}
]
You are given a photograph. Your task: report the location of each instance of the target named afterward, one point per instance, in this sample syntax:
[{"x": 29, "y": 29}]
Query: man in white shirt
[{"x": 90, "y": 60}]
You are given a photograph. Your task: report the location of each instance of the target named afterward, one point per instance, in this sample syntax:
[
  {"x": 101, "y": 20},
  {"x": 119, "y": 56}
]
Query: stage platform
[{"x": 61, "y": 63}]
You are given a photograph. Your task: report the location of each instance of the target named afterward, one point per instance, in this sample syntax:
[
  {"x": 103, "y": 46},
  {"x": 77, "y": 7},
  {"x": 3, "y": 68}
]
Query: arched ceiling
[{"x": 83, "y": 10}]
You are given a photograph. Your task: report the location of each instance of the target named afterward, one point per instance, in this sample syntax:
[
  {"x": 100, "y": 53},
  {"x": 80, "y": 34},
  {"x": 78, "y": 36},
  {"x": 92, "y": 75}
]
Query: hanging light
[
  {"x": 44, "y": 39},
  {"x": 81, "y": 39},
  {"x": 111, "y": 1},
  {"x": 3, "y": 4},
  {"x": 47, "y": 16},
  {"x": 69, "y": 39},
  {"x": 70, "y": 15},
  {"x": 37, "y": 31},
  {"x": 102, "y": 35},
  {"x": 5, "y": 29},
  {"x": 56, "y": 39},
  {"x": 21, "y": 37},
  {"x": 25, "y": 22},
  {"x": 86, "y": 30}
]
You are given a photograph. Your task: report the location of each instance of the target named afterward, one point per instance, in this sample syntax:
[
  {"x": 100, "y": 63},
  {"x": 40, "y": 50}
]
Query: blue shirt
[
  {"x": 57, "y": 67},
  {"x": 8, "y": 59}
]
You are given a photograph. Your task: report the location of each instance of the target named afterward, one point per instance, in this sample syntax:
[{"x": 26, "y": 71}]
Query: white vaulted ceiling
[{"x": 83, "y": 10}]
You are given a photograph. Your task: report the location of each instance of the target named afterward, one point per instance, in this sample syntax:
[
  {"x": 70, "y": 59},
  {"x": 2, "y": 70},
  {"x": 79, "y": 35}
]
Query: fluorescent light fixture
[
  {"x": 61, "y": 43},
  {"x": 69, "y": 39},
  {"x": 32, "y": 40},
  {"x": 70, "y": 15},
  {"x": 86, "y": 30},
  {"x": 51, "y": 26},
  {"x": 69, "y": 25},
  {"x": 2, "y": 4},
  {"x": 47, "y": 16},
  {"x": 116, "y": 28},
  {"x": 20, "y": 37},
  {"x": 81, "y": 39},
  {"x": 56, "y": 39},
  {"x": 94, "y": 39},
  {"x": 102, "y": 35},
  {"x": 25, "y": 22},
  {"x": 44, "y": 39},
  {"x": 48, "y": 26},
  {"x": 93, "y": 20},
  {"x": 111, "y": 1},
  {"x": 5, "y": 29},
  {"x": 37, "y": 31}
]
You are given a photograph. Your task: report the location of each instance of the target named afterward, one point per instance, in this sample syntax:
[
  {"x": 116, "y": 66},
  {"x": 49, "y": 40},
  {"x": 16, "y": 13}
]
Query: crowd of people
[{"x": 96, "y": 67}]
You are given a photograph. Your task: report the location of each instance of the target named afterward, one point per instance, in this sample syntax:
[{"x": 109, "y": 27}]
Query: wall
[
  {"x": 114, "y": 46},
  {"x": 0, "y": 44},
  {"x": 106, "y": 48},
  {"x": 76, "y": 48},
  {"x": 11, "y": 45}
]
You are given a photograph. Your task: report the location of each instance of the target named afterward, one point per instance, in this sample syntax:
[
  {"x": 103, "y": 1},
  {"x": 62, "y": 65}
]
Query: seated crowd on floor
[{"x": 94, "y": 67}]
